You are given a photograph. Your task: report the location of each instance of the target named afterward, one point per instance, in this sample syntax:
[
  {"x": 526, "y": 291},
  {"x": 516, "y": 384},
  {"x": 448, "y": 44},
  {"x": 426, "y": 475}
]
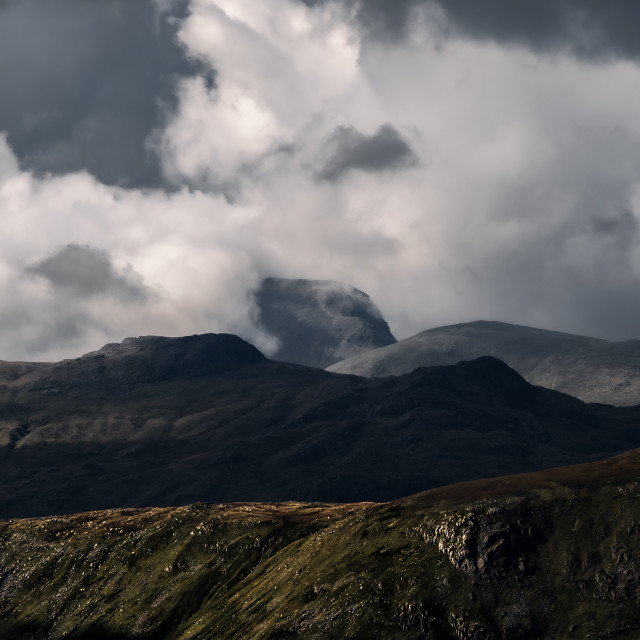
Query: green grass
[{"x": 550, "y": 555}]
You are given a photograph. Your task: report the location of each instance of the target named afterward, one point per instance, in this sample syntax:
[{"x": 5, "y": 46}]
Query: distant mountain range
[
  {"x": 588, "y": 368},
  {"x": 169, "y": 421},
  {"x": 327, "y": 324},
  {"x": 549, "y": 555},
  {"x": 319, "y": 322}
]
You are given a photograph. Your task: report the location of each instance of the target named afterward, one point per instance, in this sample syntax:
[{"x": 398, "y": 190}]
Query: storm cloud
[
  {"x": 349, "y": 149},
  {"x": 83, "y": 85},
  {"x": 85, "y": 271},
  {"x": 586, "y": 28}
]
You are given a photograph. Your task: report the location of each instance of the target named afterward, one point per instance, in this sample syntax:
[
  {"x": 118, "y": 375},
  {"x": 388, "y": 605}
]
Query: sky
[{"x": 456, "y": 160}]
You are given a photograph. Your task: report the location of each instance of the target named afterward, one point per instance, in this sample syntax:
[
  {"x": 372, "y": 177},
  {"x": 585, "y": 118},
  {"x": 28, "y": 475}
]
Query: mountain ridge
[
  {"x": 268, "y": 430},
  {"x": 591, "y": 369},
  {"x": 146, "y": 359}
]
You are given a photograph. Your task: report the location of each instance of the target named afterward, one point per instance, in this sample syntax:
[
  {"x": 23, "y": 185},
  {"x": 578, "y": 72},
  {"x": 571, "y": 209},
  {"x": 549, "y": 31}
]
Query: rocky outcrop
[{"x": 487, "y": 540}]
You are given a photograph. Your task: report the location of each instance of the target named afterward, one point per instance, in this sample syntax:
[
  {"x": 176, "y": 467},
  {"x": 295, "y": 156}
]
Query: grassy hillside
[{"x": 549, "y": 555}]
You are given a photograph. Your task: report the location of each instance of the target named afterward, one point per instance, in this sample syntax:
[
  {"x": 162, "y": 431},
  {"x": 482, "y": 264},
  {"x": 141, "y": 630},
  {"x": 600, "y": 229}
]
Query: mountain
[
  {"x": 319, "y": 322},
  {"x": 587, "y": 368},
  {"x": 145, "y": 359},
  {"x": 555, "y": 554},
  {"x": 169, "y": 421}
]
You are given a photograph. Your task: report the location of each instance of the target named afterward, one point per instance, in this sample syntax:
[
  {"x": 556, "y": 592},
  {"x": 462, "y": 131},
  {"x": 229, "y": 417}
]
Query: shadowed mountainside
[
  {"x": 169, "y": 421},
  {"x": 319, "y": 322},
  {"x": 146, "y": 359},
  {"x": 555, "y": 554},
  {"x": 587, "y": 368}
]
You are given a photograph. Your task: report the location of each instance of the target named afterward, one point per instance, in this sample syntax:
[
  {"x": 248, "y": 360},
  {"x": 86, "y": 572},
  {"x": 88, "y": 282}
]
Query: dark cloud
[
  {"x": 623, "y": 227},
  {"x": 536, "y": 285},
  {"x": 350, "y": 149},
  {"x": 386, "y": 20},
  {"x": 380, "y": 18},
  {"x": 83, "y": 84},
  {"x": 587, "y": 28},
  {"x": 87, "y": 272}
]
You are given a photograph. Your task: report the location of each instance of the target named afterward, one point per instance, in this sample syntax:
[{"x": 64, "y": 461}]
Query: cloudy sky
[{"x": 455, "y": 159}]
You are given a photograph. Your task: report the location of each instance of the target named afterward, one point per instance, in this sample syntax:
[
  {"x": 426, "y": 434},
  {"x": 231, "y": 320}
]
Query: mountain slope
[
  {"x": 548, "y": 555},
  {"x": 587, "y": 368},
  {"x": 319, "y": 322},
  {"x": 145, "y": 359},
  {"x": 169, "y": 421}
]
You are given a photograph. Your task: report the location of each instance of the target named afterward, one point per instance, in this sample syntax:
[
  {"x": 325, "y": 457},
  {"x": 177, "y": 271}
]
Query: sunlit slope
[
  {"x": 548, "y": 555},
  {"x": 587, "y": 368}
]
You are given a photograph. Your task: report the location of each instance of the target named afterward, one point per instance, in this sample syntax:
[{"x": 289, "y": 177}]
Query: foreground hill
[
  {"x": 549, "y": 555},
  {"x": 319, "y": 322},
  {"x": 587, "y": 368},
  {"x": 169, "y": 421}
]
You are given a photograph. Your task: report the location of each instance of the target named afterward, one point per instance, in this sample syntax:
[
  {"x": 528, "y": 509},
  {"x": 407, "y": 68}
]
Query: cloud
[
  {"x": 523, "y": 207},
  {"x": 268, "y": 99},
  {"x": 84, "y": 84},
  {"x": 349, "y": 149},
  {"x": 133, "y": 262},
  {"x": 496, "y": 221},
  {"x": 588, "y": 29},
  {"x": 86, "y": 271}
]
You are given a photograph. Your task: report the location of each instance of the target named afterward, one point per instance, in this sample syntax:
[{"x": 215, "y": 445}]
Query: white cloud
[
  {"x": 186, "y": 247},
  {"x": 280, "y": 65},
  {"x": 519, "y": 151}
]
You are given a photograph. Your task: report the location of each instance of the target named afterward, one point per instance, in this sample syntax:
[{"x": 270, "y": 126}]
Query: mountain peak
[
  {"x": 320, "y": 322},
  {"x": 149, "y": 359}
]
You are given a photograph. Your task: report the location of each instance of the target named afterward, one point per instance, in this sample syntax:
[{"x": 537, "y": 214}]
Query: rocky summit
[
  {"x": 319, "y": 322},
  {"x": 143, "y": 360},
  {"x": 542, "y": 556}
]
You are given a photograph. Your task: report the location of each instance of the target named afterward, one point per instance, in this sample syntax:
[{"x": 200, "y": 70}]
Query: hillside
[
  {"x": 587, "y": 368},
  {"x": 170, "y": 421},
  {"x": 548, "y": 555}
]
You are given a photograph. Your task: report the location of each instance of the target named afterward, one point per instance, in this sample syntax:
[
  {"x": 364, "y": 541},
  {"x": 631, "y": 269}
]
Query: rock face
[
  {"x": 493, "y": 540},
  {"x": 588, "y": 368},
  {"x": 320, "y": 322}
]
